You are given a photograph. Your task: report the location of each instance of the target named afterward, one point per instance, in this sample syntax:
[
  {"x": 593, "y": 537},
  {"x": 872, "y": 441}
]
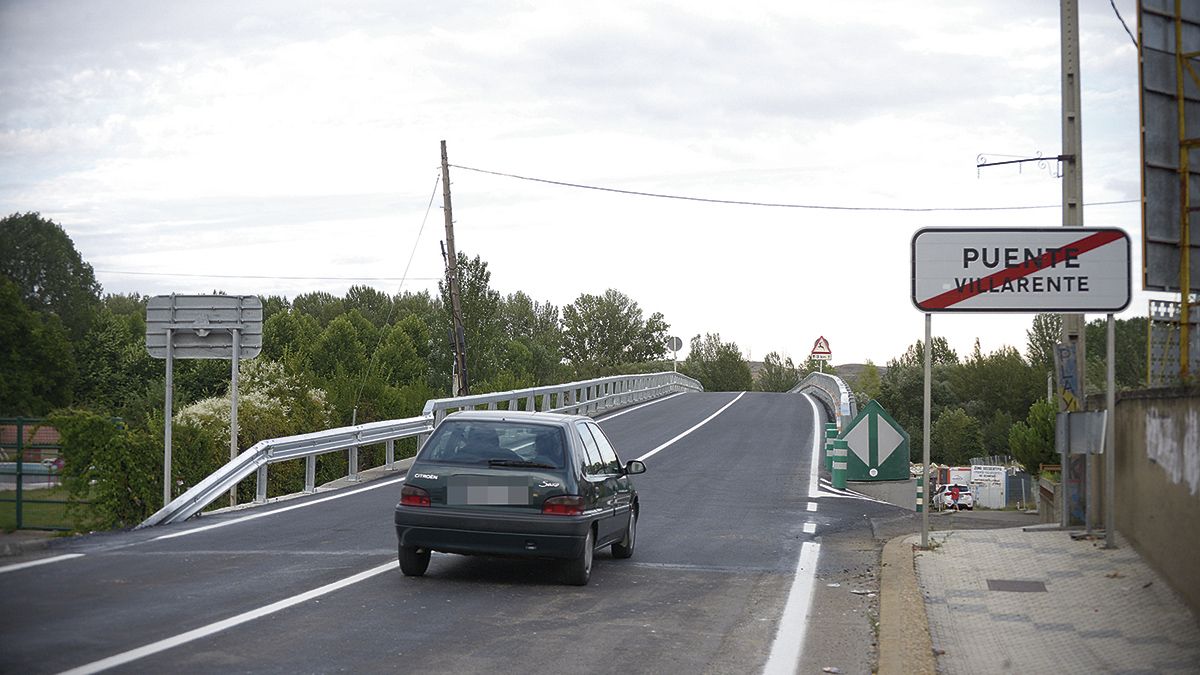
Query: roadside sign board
[
  {"x": 674, "y": 343},
  {"x": 1162, "y": 175},
  {"x": 820, "y": 350},
  {"x": 202, "y": 325},
  {"x": 987, "y": 475},
  {"x": 1059, "y": 269},
  {"x": 878, "y": 446}
]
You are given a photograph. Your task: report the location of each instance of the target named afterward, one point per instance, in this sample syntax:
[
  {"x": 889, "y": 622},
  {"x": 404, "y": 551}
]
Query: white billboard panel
[{"x": 1060, "y": 269}]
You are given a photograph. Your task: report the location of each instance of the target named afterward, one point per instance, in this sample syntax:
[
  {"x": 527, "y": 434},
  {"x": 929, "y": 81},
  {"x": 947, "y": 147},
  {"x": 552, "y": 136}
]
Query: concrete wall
[
  {"x": 902, "y": 493},
  {"x": 1158, "y": 482}
]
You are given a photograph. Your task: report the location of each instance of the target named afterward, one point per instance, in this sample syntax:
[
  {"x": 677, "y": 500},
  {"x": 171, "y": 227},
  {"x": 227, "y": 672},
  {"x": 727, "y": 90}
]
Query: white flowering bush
[{"x": 272, "y": 403}]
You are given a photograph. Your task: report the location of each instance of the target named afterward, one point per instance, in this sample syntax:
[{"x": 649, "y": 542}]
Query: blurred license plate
[{"x": 487, "y": 491}]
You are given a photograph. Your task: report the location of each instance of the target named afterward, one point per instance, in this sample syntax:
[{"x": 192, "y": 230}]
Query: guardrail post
[
  {"x": 353, "y": 474},
  {"x": 841, "y": 448},
  {"x": 260, "y": 491},
  {"x": 390, "y": 454},
  {"x": 830, "y": 436},
  {"x": 310, "y": 474}
]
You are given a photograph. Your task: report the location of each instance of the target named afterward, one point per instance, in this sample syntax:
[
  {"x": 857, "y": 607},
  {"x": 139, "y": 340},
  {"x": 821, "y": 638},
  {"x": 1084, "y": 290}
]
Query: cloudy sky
[{"x": 285, "y": 147}]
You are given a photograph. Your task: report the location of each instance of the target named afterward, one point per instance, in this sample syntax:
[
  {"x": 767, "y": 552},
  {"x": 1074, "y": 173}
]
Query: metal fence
[
  {"x": 30, "y": 460},
  {"x": 589, "y": 397}
]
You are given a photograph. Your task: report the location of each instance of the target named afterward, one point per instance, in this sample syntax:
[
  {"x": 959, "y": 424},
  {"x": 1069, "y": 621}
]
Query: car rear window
[{"x": 478, "y": 442}]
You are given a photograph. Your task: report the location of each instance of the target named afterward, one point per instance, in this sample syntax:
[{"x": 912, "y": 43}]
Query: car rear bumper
[{"x": 473, "y": 533}]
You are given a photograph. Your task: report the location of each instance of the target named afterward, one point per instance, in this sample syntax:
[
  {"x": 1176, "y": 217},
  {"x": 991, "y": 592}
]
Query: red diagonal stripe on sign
[{"x": 998, "y": 279}]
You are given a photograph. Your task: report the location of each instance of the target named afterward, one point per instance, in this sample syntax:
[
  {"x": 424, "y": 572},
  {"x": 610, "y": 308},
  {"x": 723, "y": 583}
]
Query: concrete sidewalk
[{"x": 1011, "y": 600}]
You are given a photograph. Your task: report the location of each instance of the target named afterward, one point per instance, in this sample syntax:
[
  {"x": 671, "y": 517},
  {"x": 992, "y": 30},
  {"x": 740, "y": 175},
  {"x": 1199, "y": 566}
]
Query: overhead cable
[{"x": 780, "y": 205}]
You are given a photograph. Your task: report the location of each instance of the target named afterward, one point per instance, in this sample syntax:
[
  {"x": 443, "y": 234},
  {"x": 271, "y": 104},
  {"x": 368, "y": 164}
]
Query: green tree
[
  {"x": 868, "y": 384},
  {"x": 1042, "y": 336},
  {"x": 320, "y": 305},
  {"x": 812, "y": 365},
  {"x": 376, "y": 306},
  {"x": 1032, "y": 441},
  {"x": 776, "y": 374},
  {"x": 955, "y": 438},
  {"x": 902, "y": 394},
  {"x": 51, "y": 277},
  {"x": 535, "y": 326},
  {"x": 482, "y": 323},
  {"x": 37, "y": 367},
  {"x": 1130, "y": 351},
  {"x": 602, "y": 332},
  {"x": 941, "y": 353},
  {"x": 719, "y": 366},
  {"x": 999, "y": 381}
]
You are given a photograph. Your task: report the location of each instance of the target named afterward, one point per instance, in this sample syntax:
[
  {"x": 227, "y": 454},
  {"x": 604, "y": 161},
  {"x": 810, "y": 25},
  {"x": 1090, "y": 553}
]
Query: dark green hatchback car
[{"x": 498, "y": 483}]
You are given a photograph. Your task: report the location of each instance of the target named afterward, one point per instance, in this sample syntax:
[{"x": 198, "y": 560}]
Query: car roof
[{"x": 514, "y": 416}]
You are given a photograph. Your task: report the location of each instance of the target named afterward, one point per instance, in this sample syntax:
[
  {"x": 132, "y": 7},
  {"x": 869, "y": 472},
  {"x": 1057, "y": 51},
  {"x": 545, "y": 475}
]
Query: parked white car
[{"x": 957, "y": 497}]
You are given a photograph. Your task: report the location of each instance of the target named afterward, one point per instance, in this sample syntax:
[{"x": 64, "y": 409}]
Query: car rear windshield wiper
[{"x": 520, "y": 462}]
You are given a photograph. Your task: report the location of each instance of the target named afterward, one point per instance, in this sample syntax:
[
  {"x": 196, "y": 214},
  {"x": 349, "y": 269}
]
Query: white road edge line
[
  {"x": 789, "y": 638},
  {"x": 702, "y": 422},
  {"x": 793, "y": 625},
  {"x": 637, "y": 407},
  {"x": 212, "y": 628},
  {"x": 35, "y": 563},
  {"x": 814, "y": 486},
  {"x": 235, "y": 521}
]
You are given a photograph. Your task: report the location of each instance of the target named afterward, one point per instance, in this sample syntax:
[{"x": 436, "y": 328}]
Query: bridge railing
[
  {"x": 589, "y": 397},
  {"x": 834, "y": 395}
]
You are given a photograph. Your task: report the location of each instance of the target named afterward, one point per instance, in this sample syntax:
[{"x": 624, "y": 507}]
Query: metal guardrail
[
  {"x": 833, "y": 394},
  {"x": 588, "y": 397}
]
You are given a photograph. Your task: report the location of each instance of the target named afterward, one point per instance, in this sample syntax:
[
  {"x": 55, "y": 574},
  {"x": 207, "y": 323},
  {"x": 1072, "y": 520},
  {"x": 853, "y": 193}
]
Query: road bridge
[{"x": 746, "y": 562}]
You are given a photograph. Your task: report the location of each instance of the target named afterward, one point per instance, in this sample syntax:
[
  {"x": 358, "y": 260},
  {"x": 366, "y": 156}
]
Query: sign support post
[
  {"x": 926, "y": 412},
  {"x": 236, "y": 333},
  {"x": 1110, "y": 432},
  {"x": 169, "y": 395}
]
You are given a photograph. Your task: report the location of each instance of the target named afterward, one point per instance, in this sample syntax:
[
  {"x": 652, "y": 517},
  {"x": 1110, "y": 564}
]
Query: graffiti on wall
[{"x": 1173, "y": 442}]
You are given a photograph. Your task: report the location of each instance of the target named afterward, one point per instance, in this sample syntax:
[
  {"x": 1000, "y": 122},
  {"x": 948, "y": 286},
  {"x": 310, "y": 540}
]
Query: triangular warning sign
[{"x": 821, "y": 346}]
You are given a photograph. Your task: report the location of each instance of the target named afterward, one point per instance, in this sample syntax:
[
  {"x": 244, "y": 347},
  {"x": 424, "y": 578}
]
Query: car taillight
[
  {"x": 564, "y": 505},
  {"x": 411, "y": 495}
]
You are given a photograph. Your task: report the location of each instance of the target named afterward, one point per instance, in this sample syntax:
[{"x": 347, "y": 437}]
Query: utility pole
[
  {"x": 1073, "y": 325},
  {"x": 1072, "y": 142},
  {"x": 458, "y": 337}
]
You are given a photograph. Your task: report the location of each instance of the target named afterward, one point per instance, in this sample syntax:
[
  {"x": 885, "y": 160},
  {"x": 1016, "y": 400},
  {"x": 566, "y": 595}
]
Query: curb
[
  {"x": 904, "y": 643},
  {"x": 14, "y": 544}
]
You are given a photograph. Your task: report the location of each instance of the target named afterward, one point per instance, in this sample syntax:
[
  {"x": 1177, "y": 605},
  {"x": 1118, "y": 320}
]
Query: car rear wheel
[
  {"x": 624, "y": 548},
  {"x": 413, "y": 561},
  {"x": 579, "y": 570}
]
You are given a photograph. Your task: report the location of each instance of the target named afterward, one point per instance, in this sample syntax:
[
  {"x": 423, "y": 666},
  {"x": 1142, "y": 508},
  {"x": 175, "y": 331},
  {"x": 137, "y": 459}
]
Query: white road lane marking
[
  {"x": 213, "y": 628},
  {"x": 814, "y": 489},
  {"x": 702, "y": 422},
  {"x": 793, "y": 625},
  {"x": 637, "y": 407},
  {"x": 810, "y": 528},
  {"x": 235, "y": 521},
  {"x": 43, "y": 561},
  {"x": 812, "y": 506}
]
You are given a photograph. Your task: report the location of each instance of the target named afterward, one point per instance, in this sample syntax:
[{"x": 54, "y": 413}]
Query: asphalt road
[{"x": 311, "y": 585}]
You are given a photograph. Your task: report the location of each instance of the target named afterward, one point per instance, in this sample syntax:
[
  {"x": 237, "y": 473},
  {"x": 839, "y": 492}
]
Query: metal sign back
[
  {"x": 1162, "y": 221},
  {"x": 203, "y": 325},
  {"x": 1060, "y": 269}
]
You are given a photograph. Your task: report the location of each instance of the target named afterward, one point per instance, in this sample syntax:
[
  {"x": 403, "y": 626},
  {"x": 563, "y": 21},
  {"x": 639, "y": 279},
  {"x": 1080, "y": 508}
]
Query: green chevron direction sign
[{"x": 878, "y": 446}]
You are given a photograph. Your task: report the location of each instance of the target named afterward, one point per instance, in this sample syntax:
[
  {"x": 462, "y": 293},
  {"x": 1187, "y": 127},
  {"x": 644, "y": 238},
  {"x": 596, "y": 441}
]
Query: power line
[
  {"x": 1123, "y": 24},
  {"x": 392, "y": 307},
  {"x": 263, "y": 276},
  {"x": 781, "y": 205}
]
